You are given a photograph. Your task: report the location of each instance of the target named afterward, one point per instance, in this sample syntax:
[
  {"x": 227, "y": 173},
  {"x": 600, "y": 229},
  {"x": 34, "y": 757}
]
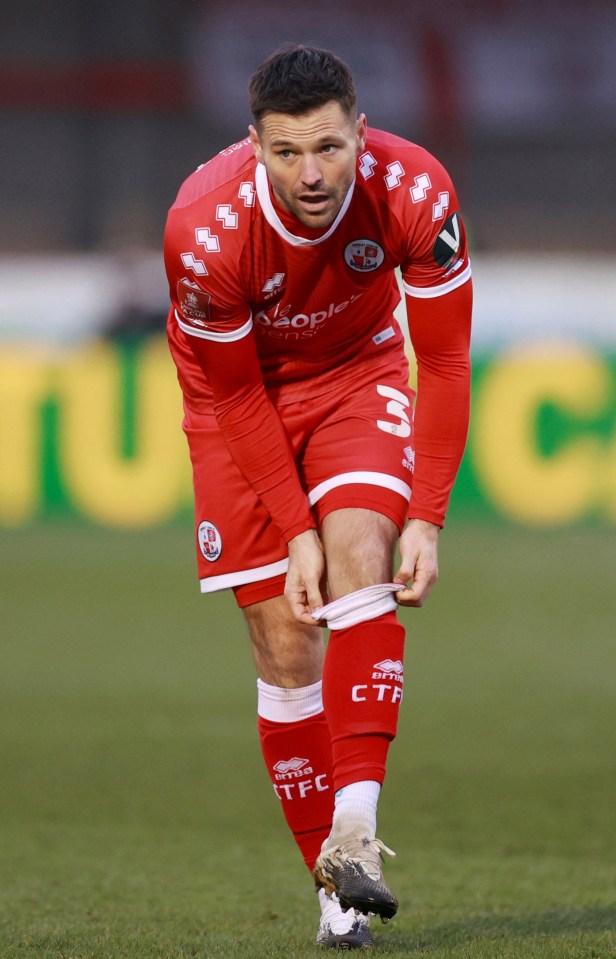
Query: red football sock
[
  {"x": 299, "y": 762},
  {"x": 362, "y": 691}
]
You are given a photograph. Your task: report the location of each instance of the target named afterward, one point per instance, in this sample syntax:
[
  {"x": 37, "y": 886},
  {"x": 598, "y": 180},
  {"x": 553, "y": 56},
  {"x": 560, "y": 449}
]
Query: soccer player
[{"x": 280, "y": 253}]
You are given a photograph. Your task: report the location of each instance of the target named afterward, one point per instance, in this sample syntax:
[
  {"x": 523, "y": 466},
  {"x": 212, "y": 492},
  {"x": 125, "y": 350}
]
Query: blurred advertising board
[{"x": 90, "y": 424}]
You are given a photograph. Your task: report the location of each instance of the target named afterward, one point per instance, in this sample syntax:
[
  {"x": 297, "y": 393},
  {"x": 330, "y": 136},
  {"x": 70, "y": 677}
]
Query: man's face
[{"x": 310, "y": 159}]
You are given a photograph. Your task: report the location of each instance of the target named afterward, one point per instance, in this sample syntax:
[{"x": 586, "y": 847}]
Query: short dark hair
[{"x": 295, "y": 79}]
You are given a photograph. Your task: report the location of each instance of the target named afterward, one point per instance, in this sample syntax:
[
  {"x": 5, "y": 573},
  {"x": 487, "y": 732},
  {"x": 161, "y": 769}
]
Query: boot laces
[{"x": 367, "y": 853}]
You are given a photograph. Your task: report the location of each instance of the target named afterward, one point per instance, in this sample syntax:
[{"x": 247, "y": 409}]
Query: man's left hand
[{"x": 419, "y": 562}]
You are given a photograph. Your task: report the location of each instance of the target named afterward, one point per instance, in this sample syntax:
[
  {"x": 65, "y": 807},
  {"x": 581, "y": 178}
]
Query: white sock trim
[
  {"x": 359, "y": 606},
  {"x": 280, "y": 705}
]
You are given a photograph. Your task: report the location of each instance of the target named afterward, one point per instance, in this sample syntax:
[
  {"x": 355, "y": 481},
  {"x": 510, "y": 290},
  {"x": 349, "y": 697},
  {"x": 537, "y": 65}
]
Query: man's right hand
[{"x": 305, "y": 575}]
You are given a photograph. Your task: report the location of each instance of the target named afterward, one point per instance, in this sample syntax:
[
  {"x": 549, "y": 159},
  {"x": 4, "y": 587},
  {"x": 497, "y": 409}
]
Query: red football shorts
[{"x": 353, "y": 448}]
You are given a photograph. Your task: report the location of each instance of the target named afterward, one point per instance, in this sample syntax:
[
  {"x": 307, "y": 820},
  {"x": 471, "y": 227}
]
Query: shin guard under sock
[
  {"x": 297, "y": 753},
  {"x": 362, "y": 691}
]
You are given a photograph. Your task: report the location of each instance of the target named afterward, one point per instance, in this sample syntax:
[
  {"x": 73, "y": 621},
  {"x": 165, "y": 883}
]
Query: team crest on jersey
[
  {"x": 193, "y": 302},
  {"x": 363, "y": 255},
  {"x": 210, "y": 541}
]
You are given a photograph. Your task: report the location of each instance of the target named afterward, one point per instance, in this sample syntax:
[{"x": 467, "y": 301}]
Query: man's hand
[
  {"x": 419, "y": 555},
  {"x": 306, "y": 571}
]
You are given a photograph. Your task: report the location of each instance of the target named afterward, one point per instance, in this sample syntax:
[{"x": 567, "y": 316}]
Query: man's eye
[
  {"x": 328, "y": 148},
  {"x": 285, "y": 154}
]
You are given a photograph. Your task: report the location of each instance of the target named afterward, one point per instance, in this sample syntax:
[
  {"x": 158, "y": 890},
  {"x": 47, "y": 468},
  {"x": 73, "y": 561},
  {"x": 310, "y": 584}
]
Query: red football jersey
[{"x": 315, "y": 302}]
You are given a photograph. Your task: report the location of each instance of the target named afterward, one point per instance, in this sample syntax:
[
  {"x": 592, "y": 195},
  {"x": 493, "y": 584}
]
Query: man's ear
[
  {"x": 254, "y": 139},
  {"x": 362, "y": 132}
]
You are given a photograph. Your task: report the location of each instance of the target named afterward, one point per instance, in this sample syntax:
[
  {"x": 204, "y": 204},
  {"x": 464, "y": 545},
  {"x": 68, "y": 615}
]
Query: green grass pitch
[{"x": 136, "y": 818}]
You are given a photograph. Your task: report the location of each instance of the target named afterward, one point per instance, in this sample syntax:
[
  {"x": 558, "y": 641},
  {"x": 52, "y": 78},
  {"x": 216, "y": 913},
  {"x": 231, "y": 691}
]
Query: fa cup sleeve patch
[
  {"x": 194, "y": 304},
  {"x": 448, "y": 242}
]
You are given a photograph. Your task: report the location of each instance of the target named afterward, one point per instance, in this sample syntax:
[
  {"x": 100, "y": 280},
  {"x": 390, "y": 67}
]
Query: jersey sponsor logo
[
  {"x": 448, "y": 241},
  {"x": 366, "y": 163},
  {"x": 439, "y": 209},
  {"x": 395, "y": 172},
  {"x": 278, "y": 323},
  {"x": 210, "y": 541},
  {"x": 419, "y": 191},
  {"x": 363, "y": 255},
  {"x": 194, "y": 303}
]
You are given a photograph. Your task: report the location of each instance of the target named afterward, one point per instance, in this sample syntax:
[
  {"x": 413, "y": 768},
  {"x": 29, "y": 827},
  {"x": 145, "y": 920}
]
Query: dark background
[{"x": 106, "y": 107}]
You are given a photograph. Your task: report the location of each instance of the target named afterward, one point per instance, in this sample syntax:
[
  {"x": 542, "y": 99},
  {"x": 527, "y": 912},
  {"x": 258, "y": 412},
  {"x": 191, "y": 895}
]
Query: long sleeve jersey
[{"x": 265, "y": 311}]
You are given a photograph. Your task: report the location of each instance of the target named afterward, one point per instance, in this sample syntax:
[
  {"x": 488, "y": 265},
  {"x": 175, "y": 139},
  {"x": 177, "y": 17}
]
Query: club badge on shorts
[
  {"x": 363, "y": 255},
  {"x": 210, "y": 541}
]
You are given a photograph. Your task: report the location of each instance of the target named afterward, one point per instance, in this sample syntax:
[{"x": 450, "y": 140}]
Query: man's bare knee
[
  {"x": 286, "y": 653},
  {"x": 359, "y": 547}
]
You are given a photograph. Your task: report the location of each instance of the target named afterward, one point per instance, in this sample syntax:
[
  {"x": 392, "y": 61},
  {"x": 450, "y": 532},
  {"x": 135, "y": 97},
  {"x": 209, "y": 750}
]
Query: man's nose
[{"x": 311, "y": 170}]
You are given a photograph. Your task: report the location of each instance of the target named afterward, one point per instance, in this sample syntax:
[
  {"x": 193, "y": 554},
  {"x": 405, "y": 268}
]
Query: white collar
[{"x": 269, "y": 211}]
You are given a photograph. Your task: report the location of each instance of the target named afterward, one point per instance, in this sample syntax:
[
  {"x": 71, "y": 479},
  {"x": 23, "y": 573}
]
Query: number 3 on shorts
[{"x": 397, "y": 408}]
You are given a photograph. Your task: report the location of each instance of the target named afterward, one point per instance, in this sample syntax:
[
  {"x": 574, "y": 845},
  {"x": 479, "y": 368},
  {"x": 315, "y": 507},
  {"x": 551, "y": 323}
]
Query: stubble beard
[{"x": 318, "y": 219}]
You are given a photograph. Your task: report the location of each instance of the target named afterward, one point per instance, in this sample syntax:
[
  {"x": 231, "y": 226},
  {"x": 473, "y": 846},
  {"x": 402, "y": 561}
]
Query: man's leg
[
  {"x": 296, "y": 746},
  {"x": 251, "y": 557},
  {"x": 294, "y": 734},
  {"x": 362, "y": 708},
  {"x": 362, "y": 690}
]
